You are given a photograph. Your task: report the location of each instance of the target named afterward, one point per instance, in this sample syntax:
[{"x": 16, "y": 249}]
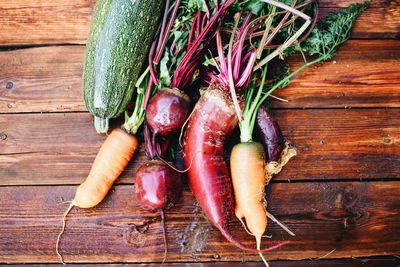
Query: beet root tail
[{"x": 236, "y": 243}]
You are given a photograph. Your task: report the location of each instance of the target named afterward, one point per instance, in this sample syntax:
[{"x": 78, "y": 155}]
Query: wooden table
[{"x": 340, "y": 195}]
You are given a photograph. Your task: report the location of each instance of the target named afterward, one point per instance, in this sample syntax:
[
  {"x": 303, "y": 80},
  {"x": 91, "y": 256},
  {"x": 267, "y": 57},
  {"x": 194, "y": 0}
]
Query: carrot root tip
[
  {"x": 62, "y": 231},
  {"x": 263, "y": 259},
  {"x": 258, "y": 242}
]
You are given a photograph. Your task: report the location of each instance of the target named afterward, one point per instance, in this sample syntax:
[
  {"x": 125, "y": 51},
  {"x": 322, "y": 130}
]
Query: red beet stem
[
  {"x": 160, "y": 48},
  {"x": 197, "y": 48},
  {"x": 243, "y": 58},
  {"x": 153, "y": 73},
  {"x": 162, "y": 25}
]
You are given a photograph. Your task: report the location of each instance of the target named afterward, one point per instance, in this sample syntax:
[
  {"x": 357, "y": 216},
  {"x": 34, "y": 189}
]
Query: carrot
[
  {"x": 248, "y": 170},
  {"x": 112, "y": 158},
  {"x": 248, "y": 163},
  {"x": 248, "y": 179}
]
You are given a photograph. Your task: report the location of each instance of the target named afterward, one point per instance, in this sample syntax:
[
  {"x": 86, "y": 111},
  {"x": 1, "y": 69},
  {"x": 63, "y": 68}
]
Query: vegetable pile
[{"x": 200, "y": 70}]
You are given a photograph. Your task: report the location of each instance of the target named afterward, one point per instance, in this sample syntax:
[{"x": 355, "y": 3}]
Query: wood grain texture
[
  {"x": 375, "y": 22},
  {"x": 44, "y": 21},
  {"x": 60, "y": 148},
  {"x": 355, "y": 262},
  {"x": 364, "y": 74},
  {"x": 62, "y": 21},
  {"x": 44, "y": 79},
  {"x": 44, "y": 156},
  {"x": 356, "y": 219}
]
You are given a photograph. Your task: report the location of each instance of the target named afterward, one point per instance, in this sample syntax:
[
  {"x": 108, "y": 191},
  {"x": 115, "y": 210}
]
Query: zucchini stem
[{"x": 101, "y": 125}]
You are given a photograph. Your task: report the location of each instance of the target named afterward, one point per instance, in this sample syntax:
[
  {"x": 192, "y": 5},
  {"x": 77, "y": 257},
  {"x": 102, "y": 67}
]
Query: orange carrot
[
  {"x": 248, "y": 179},
  {"x": 112, "y": 158}
]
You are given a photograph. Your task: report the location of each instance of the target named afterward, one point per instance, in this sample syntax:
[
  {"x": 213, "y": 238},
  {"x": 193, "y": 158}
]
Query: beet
[
  {"x": 157, "y": 185},
  {"x": 211, "y": 123},
  {"x": 167, "y": 111},
  {"x": 270, "y": 134}
]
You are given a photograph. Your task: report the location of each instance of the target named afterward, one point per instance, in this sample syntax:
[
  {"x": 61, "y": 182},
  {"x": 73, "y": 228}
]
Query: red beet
[
  {"x": 270, "y": 134},
  {"x": 157, "y": 185},
  {"x": 167, "y": 111},
  {"x": 211, "y": 123}
]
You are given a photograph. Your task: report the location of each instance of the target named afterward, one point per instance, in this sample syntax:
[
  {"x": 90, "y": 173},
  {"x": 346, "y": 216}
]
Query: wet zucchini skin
[{"x": 120, "y": 37}]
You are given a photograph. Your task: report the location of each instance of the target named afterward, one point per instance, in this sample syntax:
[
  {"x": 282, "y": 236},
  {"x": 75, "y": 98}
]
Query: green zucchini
[{"x": 120, "y": 37}]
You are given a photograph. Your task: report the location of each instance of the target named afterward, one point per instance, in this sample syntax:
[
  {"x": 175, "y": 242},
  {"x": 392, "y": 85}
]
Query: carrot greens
[{"x": 323, "y": 42}]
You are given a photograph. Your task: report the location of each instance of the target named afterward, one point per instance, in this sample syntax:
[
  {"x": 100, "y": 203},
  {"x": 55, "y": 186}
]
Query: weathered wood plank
[
  {"x": 48, "y": 79},
  {"x": 379, "y": 22},
  {"x": 356, "y": 219},
  {"x": 61, "y": 21},
  {"x": 45, "y": 79},
  {"x": 355, "y": 262},
  {"x": 65, "y": 145},
  {"x": 332, "y": 144},
  {"x": 44, "y": 21},
  {"x": 363, "y": 74}
]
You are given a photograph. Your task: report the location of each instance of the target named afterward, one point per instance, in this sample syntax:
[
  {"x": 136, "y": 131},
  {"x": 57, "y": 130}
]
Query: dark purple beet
[
  {"x": 269, "y": 133},
  {"x": 167, "y": 111},
  {"x": 157, "y": 185}
]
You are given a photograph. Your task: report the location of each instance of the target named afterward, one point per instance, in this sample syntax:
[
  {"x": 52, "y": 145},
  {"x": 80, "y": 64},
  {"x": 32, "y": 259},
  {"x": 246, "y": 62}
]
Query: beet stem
[
  {"x": 291, "y": 40},
  {"x": 277, "y": 28},
  {"x": 153, "y": 74},
  {"x": 240, "y": 46},
  {"x": 201, "y": 39},
  {"x": 247, "y": 71},
  {"x": 148, "y": 92},
  {"x": 230, "y": 74},
  {"x": 288, "y": 8},
  {"x": 148, "y": 142},
  {"x": 162, "y": 29},
  {"x": 160, "y": 49},
  {"x": 222, "y": 61}
]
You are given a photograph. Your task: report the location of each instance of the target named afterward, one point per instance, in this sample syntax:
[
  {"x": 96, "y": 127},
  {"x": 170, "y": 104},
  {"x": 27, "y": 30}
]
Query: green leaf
[
  {"x": 197, "y": 5},
  {"x": 332, "y": 31},
  {"x": 165, "y": 77},
  {"x": 255, "y": 7}
]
